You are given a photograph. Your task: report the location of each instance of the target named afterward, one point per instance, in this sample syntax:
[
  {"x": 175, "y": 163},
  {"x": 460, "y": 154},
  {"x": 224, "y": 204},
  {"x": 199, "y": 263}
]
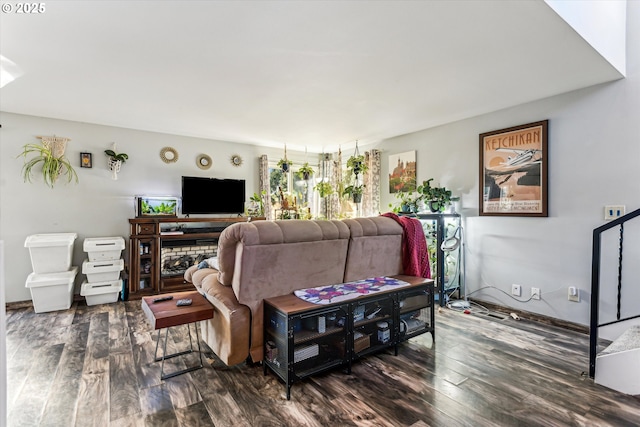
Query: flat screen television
[{"x": 212, "y": 196}]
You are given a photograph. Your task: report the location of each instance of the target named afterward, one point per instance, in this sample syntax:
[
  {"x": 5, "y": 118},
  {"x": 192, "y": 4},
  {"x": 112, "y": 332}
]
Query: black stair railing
[{"x": 595, "y": 284}]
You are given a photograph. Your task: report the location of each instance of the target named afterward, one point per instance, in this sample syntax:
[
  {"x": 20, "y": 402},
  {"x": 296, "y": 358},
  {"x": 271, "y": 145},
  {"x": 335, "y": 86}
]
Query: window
[{"x": 299, "y": 199}]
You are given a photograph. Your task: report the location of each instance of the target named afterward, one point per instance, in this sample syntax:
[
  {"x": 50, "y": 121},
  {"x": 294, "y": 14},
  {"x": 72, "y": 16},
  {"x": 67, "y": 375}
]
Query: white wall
[
  {"x": 3, "y": 339},
  {"x": 594, "y": 160},
  {"x": 97, "y": 206}
]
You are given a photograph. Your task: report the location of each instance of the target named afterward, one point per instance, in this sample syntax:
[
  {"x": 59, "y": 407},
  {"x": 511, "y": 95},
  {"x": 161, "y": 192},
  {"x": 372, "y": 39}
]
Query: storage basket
[
  {"x": 101, "y": 292},
  {"x": 52, "y": 291},
  {"x": 50, "y": 253},
  {"x": 102, "y": 271},
  {"x": 103, "y": 248}
]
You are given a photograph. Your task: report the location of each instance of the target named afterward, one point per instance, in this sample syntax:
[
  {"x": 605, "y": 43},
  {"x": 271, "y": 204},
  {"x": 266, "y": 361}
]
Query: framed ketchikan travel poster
[{"x": 513, "y": 171}]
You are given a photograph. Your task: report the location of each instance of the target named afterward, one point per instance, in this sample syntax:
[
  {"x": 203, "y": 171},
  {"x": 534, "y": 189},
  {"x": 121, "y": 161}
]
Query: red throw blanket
[{"x": 415, "y": 257}]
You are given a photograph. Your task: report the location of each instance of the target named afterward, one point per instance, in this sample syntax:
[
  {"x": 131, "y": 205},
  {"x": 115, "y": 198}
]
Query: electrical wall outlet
[
  {"x": 516, "y": 290},
  {"x": 613, "y": 212},
  {"x": 535, "y": 293},
  {"x": 574, "y": 294}
]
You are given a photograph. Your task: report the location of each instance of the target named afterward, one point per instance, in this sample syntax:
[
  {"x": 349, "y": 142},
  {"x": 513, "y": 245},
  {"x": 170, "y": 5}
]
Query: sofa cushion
[
  {"x": 265, "y": 237},
  {"x": 374, "y": 248}
]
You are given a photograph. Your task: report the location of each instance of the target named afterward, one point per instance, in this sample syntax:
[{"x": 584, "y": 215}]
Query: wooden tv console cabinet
[{"x": 155, "y": 242}]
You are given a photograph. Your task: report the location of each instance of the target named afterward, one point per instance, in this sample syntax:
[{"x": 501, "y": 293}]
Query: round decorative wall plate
[
  {"x": 236, "y": 160},
  {"x": 169, "y": 155},
  {"x": 203, "y": 161}
]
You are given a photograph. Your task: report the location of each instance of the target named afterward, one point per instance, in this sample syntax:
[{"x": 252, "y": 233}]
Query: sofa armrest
[
  {"x": 227, "y": 334},
  {"x": 197, "y": 275}
]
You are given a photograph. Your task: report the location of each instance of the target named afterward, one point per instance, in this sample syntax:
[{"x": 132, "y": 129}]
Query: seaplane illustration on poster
[
  {"x": 513, "y": 174},
  {"x": 525, "y": 162}
]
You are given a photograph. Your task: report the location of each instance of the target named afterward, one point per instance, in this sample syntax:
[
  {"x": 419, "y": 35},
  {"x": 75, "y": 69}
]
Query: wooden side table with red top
[{"x": 166, "y": 314}]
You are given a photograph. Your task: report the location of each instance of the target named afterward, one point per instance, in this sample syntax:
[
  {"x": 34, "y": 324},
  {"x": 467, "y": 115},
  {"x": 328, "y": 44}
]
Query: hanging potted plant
[
  {"x": 284, "y": 164},
  {"x": 355, "y": 192},
  {"x": 51, "y": 155},
  {"x": 305, "y": 171},
  {"x": 356, "y": 164},
  {"x": 324, "y": 189},
  {"x": 115, "y": 161}
]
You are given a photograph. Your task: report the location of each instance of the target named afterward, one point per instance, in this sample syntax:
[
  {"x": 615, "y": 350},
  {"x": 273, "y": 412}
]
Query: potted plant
[
  {"x": 438, "y": 198},
  {"x": 305, "y": 171},
  {"x": 356, "y": 164},
  {"x": 256, "y": 207},
  {"x": 115, "y": 161},
  {"x": 284, "y": 164},
  {"x": 324, "y": 189},
  {"x": 408, "y": 202},
  {"x": 53, "y": 164},
  {"x": 355, "y": 192}
]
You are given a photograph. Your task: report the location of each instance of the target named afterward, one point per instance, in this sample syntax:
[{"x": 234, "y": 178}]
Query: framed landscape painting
[
  {"x": 402, "y": 172},
  {"x": 513, "y": 171}
]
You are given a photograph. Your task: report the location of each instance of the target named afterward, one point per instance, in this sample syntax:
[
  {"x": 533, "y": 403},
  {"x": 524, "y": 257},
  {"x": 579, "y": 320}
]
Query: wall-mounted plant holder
[
  {"x": 114, "y": 167},
  {"x": 115, "y": 161},
  {"x": 50, "y": 154}
]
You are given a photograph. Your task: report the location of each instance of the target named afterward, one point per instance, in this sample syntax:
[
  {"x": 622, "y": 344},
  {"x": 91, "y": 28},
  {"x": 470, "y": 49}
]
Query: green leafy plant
[
  {"x": 123, "y": 157},
  {"x": 324, "y": 189},
  {"x": 258, "y": 200},
  {"x": 161, "y": 209},
  {"x": 357, "y": 165},
  {"x": 305, "y": 171},
  {"x": 438, "y": 198},
  {"x": 52, "y": 167},
  {"x": 408, "y": 202},
  {"x": 354, "y": 191},
  {"x": 284, "y": 164}
]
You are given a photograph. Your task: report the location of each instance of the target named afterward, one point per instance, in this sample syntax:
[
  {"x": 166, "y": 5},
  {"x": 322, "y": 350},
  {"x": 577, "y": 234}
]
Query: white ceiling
[{"x": 314, "y": 74}]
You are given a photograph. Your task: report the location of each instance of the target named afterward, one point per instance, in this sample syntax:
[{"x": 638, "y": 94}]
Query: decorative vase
[{"x": 357, "y": 197}]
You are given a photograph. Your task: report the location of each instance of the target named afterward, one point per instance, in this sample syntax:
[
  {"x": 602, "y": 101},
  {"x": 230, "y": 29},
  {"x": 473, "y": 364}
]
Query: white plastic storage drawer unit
[
  {"x": 103, "y": 248},
  {"x": 52, "y": 291},
  {"x": 101, "y": 292},
  {"x": 102, "y": 271},
  {"x": 50, "y": 253}
]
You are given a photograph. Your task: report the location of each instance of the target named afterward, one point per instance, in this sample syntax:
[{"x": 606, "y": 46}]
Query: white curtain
[
  {"x": 371, "y": 194},
  {"x": 265, "y": 189},
  {"x": 336, "y": 183}
]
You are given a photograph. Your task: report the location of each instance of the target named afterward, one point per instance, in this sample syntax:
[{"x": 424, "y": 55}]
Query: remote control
[
  {"x": 160, "y": 299},
  {"x": 182, "y": 302}
]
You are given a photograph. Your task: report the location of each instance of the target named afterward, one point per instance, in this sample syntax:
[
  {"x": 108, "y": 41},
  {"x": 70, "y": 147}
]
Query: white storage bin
[
  {"x": 103, "y": 248},
  {"x": 52, "y": 291},
  {"x": 102, "y": 271},
  {"x": 101, "y": 292},
  {"x": 50, "y": 253}
]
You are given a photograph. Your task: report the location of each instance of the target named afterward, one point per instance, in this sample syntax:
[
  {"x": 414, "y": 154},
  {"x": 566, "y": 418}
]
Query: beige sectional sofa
[{"x": 263, "y": 259}]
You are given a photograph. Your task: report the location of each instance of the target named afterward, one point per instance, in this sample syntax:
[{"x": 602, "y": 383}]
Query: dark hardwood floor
[{"x": 93, "y": 366}]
